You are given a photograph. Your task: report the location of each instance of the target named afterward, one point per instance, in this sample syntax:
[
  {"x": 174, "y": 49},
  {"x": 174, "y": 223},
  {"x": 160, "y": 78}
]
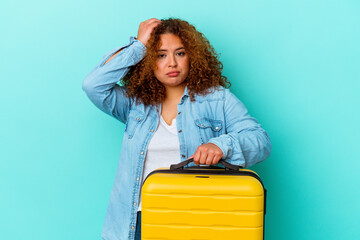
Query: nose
[{"x": 172, "y": 61}]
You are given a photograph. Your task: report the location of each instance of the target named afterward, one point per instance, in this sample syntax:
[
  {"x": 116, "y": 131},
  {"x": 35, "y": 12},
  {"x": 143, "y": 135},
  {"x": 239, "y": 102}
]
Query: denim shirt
[{"x": 219, "y": 118}]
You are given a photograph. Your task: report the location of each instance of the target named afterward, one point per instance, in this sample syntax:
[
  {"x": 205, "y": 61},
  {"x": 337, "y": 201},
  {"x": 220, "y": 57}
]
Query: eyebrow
[{"x": 164, "y": 50}]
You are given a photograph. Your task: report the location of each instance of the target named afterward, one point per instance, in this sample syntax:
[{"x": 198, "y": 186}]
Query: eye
[
  {"x": 181, "y": 53},
  {"x": 161, "y": 55}
]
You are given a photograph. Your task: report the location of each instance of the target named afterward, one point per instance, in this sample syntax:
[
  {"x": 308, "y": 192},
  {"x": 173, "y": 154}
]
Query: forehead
[{"x": 169, "y": 41}]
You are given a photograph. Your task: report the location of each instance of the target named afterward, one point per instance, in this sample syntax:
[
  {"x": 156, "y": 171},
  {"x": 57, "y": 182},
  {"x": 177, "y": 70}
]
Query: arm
[
  {"x": 101, "y": 86},
  {"x": 113, "y": 56},
  {"x": 246, "y": 142}
]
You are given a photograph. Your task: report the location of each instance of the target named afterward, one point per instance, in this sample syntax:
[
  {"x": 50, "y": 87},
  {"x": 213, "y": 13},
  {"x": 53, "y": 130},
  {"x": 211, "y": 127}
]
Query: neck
[{"x": 174, "y": 94}]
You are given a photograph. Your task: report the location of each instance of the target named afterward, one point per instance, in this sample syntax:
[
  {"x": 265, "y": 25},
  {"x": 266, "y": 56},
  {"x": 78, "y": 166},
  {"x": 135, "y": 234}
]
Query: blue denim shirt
[{"x": 219, "y": 118}]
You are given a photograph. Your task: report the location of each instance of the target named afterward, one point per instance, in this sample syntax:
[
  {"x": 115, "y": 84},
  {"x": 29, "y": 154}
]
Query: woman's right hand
[{"x": 146, "y": 28}]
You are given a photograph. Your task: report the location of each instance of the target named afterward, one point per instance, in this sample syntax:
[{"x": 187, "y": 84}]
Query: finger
[
  {"x": 210, "y": 159},
  {"x": 217, "y": 151},
  {"x": 153, "y": 20},
  {"x": 155, "y": 23},
  {"x": 203, "y": 157},
  {"x": 147, "y": 21},
  {"x": 216, "y": 159},
  {"x": 196, "y": 157},
  {"x": 152, "y": 23}
]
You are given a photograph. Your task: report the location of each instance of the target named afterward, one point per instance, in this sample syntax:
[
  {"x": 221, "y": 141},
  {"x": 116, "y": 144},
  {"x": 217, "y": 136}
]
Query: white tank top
[{"x": 163, "y": 149}]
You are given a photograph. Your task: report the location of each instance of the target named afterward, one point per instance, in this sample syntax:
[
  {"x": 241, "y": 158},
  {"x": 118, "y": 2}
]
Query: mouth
[{"x": 173, "y": 73}]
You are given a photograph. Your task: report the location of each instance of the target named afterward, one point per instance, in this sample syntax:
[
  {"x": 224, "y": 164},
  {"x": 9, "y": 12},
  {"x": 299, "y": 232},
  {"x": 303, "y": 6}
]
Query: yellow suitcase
[{"x": 207, "y": 203}]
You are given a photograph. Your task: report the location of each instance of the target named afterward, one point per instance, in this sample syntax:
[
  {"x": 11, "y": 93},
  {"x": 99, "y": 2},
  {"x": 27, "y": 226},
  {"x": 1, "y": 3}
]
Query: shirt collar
[{"x": 186, "y": 93}]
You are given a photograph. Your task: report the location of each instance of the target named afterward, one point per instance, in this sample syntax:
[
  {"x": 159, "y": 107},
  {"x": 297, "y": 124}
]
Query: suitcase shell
[{"x": 203, "y": 203}]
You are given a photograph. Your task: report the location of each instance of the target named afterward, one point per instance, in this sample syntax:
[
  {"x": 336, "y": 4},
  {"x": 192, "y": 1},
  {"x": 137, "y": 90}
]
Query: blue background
[{"x": 295, "y": 65}]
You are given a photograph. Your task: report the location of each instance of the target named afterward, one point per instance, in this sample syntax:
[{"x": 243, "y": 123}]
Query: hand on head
[{"x": 146, "y": 28}]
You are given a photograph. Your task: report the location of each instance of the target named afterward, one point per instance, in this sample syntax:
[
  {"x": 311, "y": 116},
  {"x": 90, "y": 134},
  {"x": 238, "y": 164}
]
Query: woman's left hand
[{"x": 208, "y": 154}]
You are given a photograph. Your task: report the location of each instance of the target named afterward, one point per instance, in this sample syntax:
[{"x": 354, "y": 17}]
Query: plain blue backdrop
[{"x": 295, "y": 65}]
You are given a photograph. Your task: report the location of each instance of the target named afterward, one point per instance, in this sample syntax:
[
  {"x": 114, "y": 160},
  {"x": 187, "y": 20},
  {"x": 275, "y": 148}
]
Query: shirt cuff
[
  {"x": 139, "y": 49},
  {"x": 133, "y": 40},
  {"x": 136, "y": 53},
  {"x": 224, "y": 143}
]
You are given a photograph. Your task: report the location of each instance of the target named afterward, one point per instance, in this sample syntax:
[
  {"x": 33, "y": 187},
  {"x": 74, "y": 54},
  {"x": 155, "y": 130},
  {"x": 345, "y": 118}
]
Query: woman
[{"x": 175, "y": 105}]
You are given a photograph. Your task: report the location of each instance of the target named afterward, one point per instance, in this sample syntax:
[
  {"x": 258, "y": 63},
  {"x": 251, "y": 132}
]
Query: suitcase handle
[{"x": 228, "y": 166}]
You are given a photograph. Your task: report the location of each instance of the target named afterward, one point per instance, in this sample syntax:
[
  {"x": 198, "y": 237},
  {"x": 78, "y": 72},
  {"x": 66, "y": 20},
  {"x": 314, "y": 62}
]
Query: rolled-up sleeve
[
  {"x": 245, "y": 142},
  {"x": 100, "y": 85}
]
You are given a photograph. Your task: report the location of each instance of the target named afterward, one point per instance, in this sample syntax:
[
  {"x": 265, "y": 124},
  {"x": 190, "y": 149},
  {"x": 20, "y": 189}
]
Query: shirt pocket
[
  {"x": 132, "y": 123},
  {"x": 208, "y": 128}
]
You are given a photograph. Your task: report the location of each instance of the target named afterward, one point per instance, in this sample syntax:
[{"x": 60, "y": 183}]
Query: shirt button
[
  {"x": 180, "y": 131},
  {"x": 202, "y": 125},
  {"x": 217, "y": 128},
  {"x": 183, "y": 156},
  {"x": 137, "y": 119},
  {"x": 142, "y": 153},
  {"x": 179, "y": 113},
  {"x": 134, "y": 203},
  {"x": 132, "y": 227},
  {"x": 138, "y": 178},
  {"x": 152, "y": 130}
]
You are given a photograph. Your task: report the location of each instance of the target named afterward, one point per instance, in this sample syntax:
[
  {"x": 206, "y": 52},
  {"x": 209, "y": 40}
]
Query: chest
[{"x": 198, "y": 121}]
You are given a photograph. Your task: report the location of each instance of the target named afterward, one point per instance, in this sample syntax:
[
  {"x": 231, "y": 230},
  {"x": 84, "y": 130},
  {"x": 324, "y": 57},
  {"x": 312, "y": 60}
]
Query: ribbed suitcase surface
[{"x": 202, "y": 203}]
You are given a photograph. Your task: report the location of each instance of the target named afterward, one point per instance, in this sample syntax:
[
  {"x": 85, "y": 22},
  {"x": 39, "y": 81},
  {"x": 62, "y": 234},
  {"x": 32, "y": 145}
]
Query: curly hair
[{"x": 205, "y": 69}]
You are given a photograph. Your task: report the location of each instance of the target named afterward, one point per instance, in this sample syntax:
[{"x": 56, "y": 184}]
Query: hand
[
  {"x": 146, "y": 28},
  {"x": 208, "y": 154}
]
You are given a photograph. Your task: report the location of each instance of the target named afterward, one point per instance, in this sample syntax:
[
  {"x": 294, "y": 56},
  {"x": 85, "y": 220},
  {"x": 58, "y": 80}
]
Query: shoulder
[
  {"x": 219, "y": 93},
  {"x": 212, "y": 94}
]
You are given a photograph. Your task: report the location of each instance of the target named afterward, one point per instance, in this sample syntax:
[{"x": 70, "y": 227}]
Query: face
[{"x": 172, "y": 64}]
